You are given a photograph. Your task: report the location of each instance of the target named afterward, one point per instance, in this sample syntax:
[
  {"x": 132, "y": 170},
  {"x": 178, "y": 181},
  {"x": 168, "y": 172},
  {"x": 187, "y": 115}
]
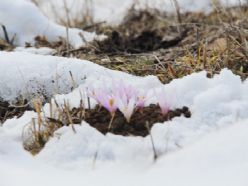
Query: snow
[
  {"x": 207, "y": 149},
  {"x": 33, "y": 50},
  {"x": 26, "y": 74},
  {"x": 24, "y": 21},
  {"x": 210, "y": 148},
  {"x": 218, "y": 159}
]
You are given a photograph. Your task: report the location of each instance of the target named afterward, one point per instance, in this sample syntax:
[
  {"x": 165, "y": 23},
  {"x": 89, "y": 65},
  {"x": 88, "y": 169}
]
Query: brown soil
[
  {"x": 140, "y": 32},
  {"x": 144, "y": 42},
  {"x": 100, "y": 118}
]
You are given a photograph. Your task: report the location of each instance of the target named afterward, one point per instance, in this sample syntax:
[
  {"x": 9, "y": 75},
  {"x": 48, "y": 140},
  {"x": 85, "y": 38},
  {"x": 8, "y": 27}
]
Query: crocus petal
[
  {"x": 109, "y": 103},
  {"x": 162, "y": 101},
  {"x": 127, "y": 108},
  {"x": 141, "y": 99}
]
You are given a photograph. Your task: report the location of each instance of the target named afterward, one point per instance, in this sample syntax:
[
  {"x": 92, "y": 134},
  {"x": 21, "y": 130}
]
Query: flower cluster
[{"x": 124, "y": 97}]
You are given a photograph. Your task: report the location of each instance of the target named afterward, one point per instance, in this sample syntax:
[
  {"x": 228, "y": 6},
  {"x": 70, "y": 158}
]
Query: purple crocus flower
[
  {"x": 120, "y": 89},
  {"x": 109, "y": 103},
  {"x": 126, "y": 96},
  {"x": 162, "y": 101},
  {"x": 105, "y": 98},
  {"x": 127, "y": 107},
  {"x": 141, "y": 99}
]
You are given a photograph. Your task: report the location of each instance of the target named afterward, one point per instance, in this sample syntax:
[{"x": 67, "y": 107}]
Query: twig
[
  {"x": 88, "y": 100},
  {"x": 94, "y": 159},
  {"x": 5, "y": 117},
  {"x": 67, "y": 27},
  {"x": 73, "y": 81},
  {"x": 5, "y": 34},
  {"x": 179, "y": 18},
  {"x": 161, "y": 64},
  {"x": 155, "y": 156},
  {"x": 69, "y": 116},
  {"x": 111, "y": 121},
  {"x": 18, "y": 106},
  {"x": 82, "y": 107},
  {"x": 87, "y": 27},
  {"x": 51, "y": 108}
]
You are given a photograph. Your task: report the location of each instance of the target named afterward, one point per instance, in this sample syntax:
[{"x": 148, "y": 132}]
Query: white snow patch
[
  {"x": 24, "y": 21},
  {"x": 33, "y": 50},
  {"x": 207, "y": 149},
  {"x": 25, "y": 74}
]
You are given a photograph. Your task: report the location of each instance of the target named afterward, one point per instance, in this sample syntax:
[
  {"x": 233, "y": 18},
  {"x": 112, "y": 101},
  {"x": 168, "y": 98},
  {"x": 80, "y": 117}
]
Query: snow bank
[
  {"x": 33, "y": 50},
  {"x": 207, "y": 149},
  {"x": 219, "y": 159},
  {"x": 24, "y": 21},
  {"x": 28, "y": 74},
  {"x": 215, "y": 104},
  {"x": 113, "y": 11}
]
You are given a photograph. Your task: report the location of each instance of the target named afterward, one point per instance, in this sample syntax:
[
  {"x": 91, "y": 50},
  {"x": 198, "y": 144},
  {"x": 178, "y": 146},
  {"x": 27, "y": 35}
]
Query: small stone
[
  {"x": 187, "y": 114},
  {"x": 185, "y": 109}
]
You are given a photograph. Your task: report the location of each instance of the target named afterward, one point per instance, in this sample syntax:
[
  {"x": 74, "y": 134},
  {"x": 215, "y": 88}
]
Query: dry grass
[
  {"x": 213, "y": 42},
  {"x": 7, "y": 42},
  {"x": 40, "y": 129}
]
